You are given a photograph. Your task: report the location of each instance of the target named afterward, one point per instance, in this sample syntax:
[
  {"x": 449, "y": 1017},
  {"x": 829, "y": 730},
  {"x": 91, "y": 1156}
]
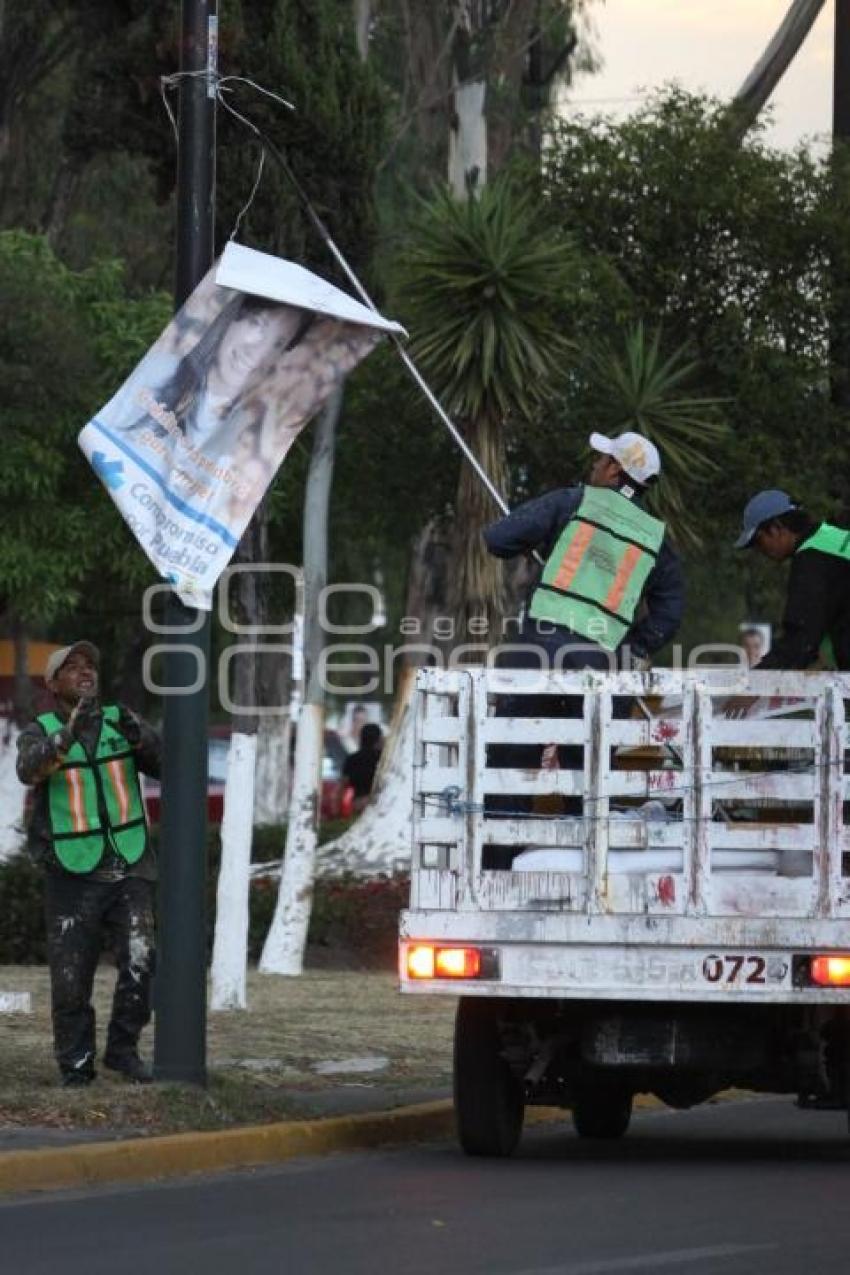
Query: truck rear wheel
[
  {"x": 489, "y": 1105},
  {"x": 601, "y": 1109}
]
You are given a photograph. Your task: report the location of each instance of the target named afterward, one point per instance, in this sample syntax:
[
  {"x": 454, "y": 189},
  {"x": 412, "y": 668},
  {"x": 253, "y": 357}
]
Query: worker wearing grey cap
[
  {"x": 89, "y": 831},
  {"x": 817, "y": 606}
]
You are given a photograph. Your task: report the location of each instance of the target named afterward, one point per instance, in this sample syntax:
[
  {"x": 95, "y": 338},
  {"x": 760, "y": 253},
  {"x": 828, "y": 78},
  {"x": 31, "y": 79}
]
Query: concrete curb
[
  {"x": 182, "y": 1154},
  {"x": 176, "y": 1155}
]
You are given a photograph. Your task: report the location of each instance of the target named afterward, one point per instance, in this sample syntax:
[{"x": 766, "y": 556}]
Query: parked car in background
[
  {"x": 335, "y": 801},
  {"x": 218, "y": 746}
]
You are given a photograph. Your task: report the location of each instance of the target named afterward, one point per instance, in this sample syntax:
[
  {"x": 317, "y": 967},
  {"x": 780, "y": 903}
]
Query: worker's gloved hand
[
  {"x": 82, "y": 716},
  {"x": 62, "y": 741},
  {"x": 129, "y": 725},
  {"x": 634, "y": 662}
]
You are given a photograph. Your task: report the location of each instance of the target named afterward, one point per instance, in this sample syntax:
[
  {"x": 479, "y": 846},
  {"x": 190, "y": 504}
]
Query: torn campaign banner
[{"x": 191, "y": 441}]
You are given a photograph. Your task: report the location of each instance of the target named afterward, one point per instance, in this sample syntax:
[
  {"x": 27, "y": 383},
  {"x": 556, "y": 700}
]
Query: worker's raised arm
[{"x": 534, "y": 525}]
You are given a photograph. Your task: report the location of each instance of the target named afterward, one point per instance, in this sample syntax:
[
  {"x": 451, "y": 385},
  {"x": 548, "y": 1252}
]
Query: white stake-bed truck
[{"x": 664, "y": 910}]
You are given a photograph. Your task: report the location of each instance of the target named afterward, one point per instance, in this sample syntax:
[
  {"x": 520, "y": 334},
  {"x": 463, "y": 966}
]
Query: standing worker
[
  {"x": 605, "y": 558},
  {"x": 817, "y": 605},
  {"x": 89, "y": 831},
  {"x": 611, "y": 583}
]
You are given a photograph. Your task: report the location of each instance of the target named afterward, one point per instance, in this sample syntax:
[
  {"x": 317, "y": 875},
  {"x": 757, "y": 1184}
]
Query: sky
[{"x": 711, "y": 46}]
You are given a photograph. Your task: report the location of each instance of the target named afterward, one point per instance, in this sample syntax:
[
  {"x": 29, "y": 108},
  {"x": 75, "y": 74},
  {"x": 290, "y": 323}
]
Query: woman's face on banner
[{"x": 250, "y": 339}]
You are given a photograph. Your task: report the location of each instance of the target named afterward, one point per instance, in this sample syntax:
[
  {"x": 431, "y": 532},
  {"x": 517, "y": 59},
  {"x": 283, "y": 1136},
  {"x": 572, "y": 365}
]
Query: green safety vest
[
  {"x": 829, "y": 539},
  {"x": 95, "y": 801},
  {"x": 593, "y": 578},
  {"x": 835, "y": 541}
]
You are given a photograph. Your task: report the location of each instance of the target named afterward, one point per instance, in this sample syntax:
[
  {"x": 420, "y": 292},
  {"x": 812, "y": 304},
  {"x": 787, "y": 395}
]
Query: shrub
[
  {"x": 22, "y": 934},
  {"x": 354, "y": 923}
]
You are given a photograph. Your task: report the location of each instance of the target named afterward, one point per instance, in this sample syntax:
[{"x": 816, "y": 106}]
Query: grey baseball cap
[
  {"x": 58, "y": 658},
  {"x": 766, "y": 505}
]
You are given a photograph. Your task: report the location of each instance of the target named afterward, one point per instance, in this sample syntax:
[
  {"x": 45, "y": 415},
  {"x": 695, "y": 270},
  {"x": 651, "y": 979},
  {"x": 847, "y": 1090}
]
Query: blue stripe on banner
[{"x": 176, "y": 501}]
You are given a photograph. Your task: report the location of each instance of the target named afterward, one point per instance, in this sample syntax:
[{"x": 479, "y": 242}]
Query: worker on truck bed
[
  {"x": 817, "y": 605},
  {"x": 605, "y": 558}
]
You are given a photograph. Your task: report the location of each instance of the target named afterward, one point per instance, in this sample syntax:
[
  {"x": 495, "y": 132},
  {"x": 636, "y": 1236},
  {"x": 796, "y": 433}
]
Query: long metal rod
[{"x": 421, "y": 382}]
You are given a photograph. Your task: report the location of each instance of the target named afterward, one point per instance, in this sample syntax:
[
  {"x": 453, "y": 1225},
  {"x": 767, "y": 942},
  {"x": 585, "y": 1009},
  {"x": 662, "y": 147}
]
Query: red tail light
[
  {"x": 830, "y": 971},
  {"x": 428, "y": 960},
  {"x": 458, "y": 962}
]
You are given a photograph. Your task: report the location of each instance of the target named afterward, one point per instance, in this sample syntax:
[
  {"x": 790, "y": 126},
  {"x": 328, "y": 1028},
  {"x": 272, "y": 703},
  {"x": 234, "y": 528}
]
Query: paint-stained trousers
[{"x": 81, "y": 913}]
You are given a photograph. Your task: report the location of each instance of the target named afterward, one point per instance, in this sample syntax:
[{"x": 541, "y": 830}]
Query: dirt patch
[{"x": 261, "y": 1060}]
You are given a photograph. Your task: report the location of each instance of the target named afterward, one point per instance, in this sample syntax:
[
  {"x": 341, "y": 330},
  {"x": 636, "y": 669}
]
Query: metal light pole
[{"x": 181, "y": 1012}]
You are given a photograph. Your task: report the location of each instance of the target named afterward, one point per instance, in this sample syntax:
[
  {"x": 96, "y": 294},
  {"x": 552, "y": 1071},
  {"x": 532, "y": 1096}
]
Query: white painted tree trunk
[
  {"x": 271, "y": 795},
  {"x": 12, "y": 794},
  {"x": 380, "y": 840},
  {"x": 283, "y": 951},
  {"x": 468, "y": 139},
  {"x": 230, "y": 944},
  {"x": 362, "y": 20}
]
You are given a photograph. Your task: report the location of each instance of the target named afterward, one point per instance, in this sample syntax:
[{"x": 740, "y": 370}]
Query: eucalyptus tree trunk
[
  {"x": 468, "y": 138},
  {"x": 230, "y": 943},
  {"x": 771, "y": 66},
  {"x": 362, "y": 18},
  {"x": 23, "y": 693},
  {"x": 379, "y": 840},
  {"x": 283, "y": 951},
  {"x": 12, "y": 793}
]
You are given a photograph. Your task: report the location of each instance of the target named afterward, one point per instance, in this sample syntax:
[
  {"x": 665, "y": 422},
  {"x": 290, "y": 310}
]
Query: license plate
[{"x": 747, "y": 970}]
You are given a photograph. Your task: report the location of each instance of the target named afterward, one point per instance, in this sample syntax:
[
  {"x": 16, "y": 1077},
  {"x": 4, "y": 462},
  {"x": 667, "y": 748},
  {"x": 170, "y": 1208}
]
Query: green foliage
[
  {"x": 482, "y": 280},
  {"x": 354, "y": 922},
  {"x": 728, "y": 247},
  {"x": 304, "y": 50},
  {"x": 640, "y": 388},
  {"x": 730, "y": 250},
  {"x": 67, "y": 339}
]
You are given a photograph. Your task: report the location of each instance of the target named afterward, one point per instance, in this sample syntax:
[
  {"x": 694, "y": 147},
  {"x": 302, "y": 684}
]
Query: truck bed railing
[{"x": 656, "y": 803}]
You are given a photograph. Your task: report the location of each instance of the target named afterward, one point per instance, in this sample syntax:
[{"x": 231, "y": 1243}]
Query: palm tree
[
  {"x": 483, "y": 283},
  {"x": 639, "y": 387}
]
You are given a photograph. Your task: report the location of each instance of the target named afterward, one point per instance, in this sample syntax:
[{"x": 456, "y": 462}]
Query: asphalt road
[{"x": 748, "y": 1188}]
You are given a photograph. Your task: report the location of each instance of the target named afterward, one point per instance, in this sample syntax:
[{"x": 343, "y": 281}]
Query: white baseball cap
[{"x": 637, "y": 455}]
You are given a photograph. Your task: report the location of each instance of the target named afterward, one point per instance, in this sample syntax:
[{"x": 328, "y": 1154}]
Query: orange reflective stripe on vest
[
  {"x": 572, "y": 559},
  {"x": 593, "y": 577},
  {"x": 625, "y": 570},
  {"x": 94, "y": 798},
  {"x": 76, "y": 803},
  {"x": 118, "y": 778}
]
